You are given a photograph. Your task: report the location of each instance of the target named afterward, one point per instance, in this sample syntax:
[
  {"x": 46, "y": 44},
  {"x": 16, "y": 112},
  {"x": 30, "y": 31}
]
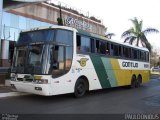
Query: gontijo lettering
[{"x": 130, "y": 64}]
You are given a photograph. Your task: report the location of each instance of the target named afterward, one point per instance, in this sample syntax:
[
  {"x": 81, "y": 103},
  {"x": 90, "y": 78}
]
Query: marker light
[{"x": 41, "y": 81}]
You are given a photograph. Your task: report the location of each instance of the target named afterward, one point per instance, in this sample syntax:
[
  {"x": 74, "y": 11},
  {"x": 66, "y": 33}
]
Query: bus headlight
[
  {"x": 13, "y": 79},
  {"x": 13, "y": 76},
  {"x": 41, "y": 81}
]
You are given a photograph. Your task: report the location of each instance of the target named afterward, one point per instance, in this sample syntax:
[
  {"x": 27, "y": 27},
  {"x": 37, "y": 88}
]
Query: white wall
[
  {"x": 1, "y": 9},
  {"x": 5, "y": 49}
]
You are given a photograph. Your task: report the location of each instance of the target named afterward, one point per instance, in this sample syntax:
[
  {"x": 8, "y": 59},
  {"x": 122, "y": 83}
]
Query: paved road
[{"x": 145, "y": 99}]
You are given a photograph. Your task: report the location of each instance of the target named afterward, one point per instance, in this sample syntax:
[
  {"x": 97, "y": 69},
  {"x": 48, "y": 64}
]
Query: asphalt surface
[{"x": 145, "y": 99}]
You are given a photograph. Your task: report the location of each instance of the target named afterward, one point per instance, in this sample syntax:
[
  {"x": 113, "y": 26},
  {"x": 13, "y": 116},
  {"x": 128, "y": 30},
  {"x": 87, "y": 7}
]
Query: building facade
[
  {"x": 37, "y": 15},
  {"x": 28, "y": 16}
]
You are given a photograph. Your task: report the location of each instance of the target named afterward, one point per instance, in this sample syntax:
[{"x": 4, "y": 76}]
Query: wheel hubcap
[{"x": 80, "y": 89}]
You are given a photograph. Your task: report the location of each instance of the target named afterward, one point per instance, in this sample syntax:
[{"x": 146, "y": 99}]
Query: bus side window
[
  {"x": 57, "y": 61},
  {"x": 78, "y": 43},
  {"x": 111, "y": 51},
  {"x": 144, "y": 56},
  {"x": 139, "y": 55},
  {"x": 107, "y": 49},
  {"x": 147, "y": 56},
  {"x": 120, "y": 50},
  {"x": 85, "y": 44},
  {"x": 92, "y": 45},
  {"x": 135, "y": 54},
  {"x": 102, "y": 48},
  {"x": 123, "y": 53},
  {"x": 97, "y": 46},
  {"x": 129, "y": 52},
  {"x": 115, "y": 50}
]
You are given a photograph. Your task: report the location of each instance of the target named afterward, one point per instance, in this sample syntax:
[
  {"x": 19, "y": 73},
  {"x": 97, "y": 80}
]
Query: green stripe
[
  {"x": 109, "y": 70},
  {"x": 100, "y": 70}
]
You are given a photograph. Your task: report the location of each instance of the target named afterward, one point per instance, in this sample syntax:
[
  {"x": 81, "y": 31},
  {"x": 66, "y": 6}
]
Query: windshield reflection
[
  {"x": 29, "y": 59},
  {"x": 44, "y": 52}
]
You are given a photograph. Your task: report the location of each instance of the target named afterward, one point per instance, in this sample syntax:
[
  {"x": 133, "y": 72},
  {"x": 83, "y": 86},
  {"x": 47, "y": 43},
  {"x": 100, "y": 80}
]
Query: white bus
[{"x": 58, "y": 60}]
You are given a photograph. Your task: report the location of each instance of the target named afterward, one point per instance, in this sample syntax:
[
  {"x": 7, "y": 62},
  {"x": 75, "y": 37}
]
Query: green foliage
[
  {"x": 158, "y": 63},
  {"x": 137, "y": 34},
  {"x": 109, "y": 35},
  {"x": 60, "y": 21}
]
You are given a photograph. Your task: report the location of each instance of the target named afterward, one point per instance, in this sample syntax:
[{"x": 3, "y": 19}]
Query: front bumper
[{"x": 29, "y": 87}]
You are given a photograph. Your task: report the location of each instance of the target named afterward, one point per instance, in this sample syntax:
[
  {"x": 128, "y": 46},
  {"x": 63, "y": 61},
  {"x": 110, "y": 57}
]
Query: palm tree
[
  {"x": 137, "y": 34},
  {"x": 109, "y": 35}
]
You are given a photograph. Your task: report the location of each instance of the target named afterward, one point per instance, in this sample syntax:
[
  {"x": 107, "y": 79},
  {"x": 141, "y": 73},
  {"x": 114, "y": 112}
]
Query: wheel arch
[
  {"x": 133, "y": 76},
  {"x": 85, "y": 79},
  {"x": 140, "y": 77}
]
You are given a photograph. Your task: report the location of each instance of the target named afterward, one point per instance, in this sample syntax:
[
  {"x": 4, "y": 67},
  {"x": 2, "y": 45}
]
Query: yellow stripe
[{"x": 123, "y": 77}]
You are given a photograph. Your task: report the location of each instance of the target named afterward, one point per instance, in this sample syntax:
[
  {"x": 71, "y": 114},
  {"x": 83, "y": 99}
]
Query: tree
[
  {"x": 59, "y": 19},
  {"x": 137, "y": 34},
  {"x": 109, "y": 35}
]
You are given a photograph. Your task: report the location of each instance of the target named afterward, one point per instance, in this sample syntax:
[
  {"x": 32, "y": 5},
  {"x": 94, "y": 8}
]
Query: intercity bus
[{"x": 59, "y": 60}]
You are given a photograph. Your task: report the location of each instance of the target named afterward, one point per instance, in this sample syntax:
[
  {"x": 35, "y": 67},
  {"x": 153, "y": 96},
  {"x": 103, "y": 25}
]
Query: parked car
[{"x": 155, "y": 69}]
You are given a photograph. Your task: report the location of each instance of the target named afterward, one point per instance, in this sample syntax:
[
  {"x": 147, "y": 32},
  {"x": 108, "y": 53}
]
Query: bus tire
[
  {"x": 133, "y": 82},
  {"x": 80, "y": 88},
  {"x": 139, "y": 81}
]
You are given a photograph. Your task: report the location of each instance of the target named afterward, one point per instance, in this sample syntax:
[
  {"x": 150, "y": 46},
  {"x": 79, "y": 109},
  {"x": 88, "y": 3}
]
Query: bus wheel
[
  {"x": 133, "y": 82},
  {"x": 139, "y": 81},
  {"x": 80, "y": 88}
]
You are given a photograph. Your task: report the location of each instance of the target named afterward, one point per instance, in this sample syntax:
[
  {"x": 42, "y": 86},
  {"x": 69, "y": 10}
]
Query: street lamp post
[{"x": 1, "y": 13}]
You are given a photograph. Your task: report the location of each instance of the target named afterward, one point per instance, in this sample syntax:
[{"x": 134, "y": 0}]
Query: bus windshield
[
  {"x": 29, "y": 59},
  {"x": 40, "y": 36},
  {"x": 37, "y": 52}
]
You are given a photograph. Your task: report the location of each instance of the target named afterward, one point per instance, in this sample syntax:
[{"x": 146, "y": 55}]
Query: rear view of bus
[{"x": 40, "y": 56}]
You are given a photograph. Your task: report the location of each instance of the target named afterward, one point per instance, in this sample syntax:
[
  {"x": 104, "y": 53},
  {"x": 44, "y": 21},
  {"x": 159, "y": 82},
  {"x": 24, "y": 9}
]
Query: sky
[{"x": 115, "y": 15}]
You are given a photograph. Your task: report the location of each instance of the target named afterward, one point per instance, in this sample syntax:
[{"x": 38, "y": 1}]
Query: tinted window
[
  {"x": 60, "y": 60},
  {"x": 115, "y": 50},
  {"x": 112, "y": 50},
  {"x": 92, "y": 45},
  {"x": 20, "y": 58},
  {"x": 120, "y": 51},
  {"x": 64, "y": 37},
  {"x": 147, "y": 56},
  {"x": 135, "y": 54},
  {"x": 102, "y": 48},
  {"x": 142, "y": 55},
  {"x": 85, "y": 44},
  {"x": 97, "y": 46},
  {"x": 68, "y": 58},
  {"x": 108, "y": 48},
  {"x": 127, "y": 52},
  {"x": 57, "y": 61},
  {"x": 35, "y": 36}
]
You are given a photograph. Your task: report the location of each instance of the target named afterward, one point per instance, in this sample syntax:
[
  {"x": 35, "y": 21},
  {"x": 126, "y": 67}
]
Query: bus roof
[
  {"x": 49, "y": 27},
  {"x": 86, "y": 34}
]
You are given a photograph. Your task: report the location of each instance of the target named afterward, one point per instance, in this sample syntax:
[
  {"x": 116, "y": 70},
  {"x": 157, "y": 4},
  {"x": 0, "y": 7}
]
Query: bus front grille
[
  {"x": 20, "y": 79},
  {"x": 29, "y": 80}
]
